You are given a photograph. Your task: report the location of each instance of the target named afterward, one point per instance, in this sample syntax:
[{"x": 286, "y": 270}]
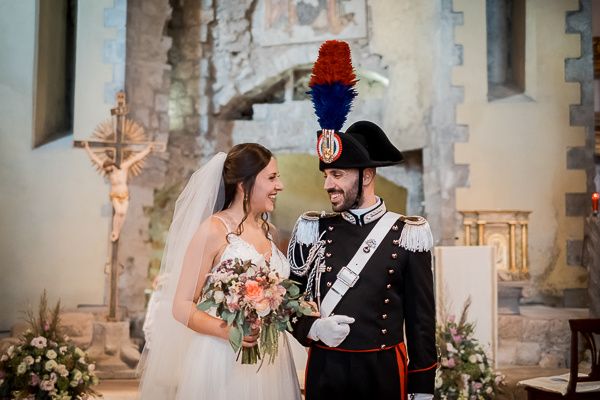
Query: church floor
[
  {"x": 127, "y": 389},
  {"x": 118, "y": 389}
]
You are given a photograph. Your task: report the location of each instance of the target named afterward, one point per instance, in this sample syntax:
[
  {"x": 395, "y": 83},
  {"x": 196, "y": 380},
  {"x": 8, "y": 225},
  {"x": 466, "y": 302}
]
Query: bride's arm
[{"x": 199, "y": 258}]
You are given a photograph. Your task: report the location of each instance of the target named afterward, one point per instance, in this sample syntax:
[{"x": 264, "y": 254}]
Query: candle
[{"x": 595, "y": 197}]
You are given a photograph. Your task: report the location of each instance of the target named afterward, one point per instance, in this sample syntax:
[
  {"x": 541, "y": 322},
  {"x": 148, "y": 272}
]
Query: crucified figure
[{"x": 119, "y": 192}]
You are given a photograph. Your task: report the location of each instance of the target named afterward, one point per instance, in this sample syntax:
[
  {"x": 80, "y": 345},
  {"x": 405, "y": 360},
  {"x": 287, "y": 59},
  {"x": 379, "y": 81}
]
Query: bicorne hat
[{"x": 364, "y": 144}]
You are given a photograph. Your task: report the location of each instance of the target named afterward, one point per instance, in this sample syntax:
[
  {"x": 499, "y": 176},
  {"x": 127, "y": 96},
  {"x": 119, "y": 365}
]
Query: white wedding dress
[{"x": 211, "y": 370}]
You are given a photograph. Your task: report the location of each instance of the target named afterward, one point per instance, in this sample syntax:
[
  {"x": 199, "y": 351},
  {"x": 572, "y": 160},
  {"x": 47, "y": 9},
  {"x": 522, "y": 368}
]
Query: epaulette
[
  {"x": 416, "y": 234},
  {"x": 306, "y": 231}
]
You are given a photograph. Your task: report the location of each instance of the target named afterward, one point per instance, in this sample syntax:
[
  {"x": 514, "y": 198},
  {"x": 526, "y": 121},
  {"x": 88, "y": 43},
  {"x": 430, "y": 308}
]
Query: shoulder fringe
[
  {"x": 306, "y": 231},
  {"x": 416, "y": 234}
]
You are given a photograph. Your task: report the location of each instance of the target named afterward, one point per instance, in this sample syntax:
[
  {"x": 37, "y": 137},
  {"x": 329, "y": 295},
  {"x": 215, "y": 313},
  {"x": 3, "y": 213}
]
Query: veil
[{"x": 165, "y": 352}]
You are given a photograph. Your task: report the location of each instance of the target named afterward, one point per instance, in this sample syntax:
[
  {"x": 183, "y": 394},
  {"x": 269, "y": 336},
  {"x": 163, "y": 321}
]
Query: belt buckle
[{"x": 347, "y": 276}]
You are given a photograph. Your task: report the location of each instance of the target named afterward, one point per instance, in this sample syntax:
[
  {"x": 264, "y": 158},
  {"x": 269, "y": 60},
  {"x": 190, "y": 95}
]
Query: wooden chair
[{"x": 587, "y": 328}]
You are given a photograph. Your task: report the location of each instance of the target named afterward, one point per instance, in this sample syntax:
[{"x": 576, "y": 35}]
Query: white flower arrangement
[{"x": 45, "y": 365}]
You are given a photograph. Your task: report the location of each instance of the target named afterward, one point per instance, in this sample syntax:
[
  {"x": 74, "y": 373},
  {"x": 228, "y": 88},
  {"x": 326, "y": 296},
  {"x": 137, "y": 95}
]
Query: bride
[{"x": 221, "y": 214}]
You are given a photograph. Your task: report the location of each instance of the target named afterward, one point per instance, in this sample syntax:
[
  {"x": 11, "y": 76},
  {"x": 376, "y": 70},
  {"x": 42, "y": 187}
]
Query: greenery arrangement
[{"x": 45, "y": 365}]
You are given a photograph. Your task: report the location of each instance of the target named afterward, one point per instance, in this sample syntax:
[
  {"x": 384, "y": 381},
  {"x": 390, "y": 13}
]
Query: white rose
[
  {"x": 62, "y": 349},
  {"x": 10, "y": 351},
  {"x": 489, "y": 390},
  {"x": 21, "y": 369},
  {"x": 472, "y": 359},
  {"x": 4, "y": 357},
  {"x": 80, "y": 353},
  {"x": 28, "y": 360},
  {"x": 450, "y": 348},
  {"x": 51, "y": 354},
  {"x": 76, "y": 375},
  {"x": 38, "y": 359},
  {"x": 91, "y": 367},
  {"x": 50, "y": 365},
  {"x": 438, "y": 382},
  {"x": 218, "y": 296},
  {"x": 62, "y": 370}
]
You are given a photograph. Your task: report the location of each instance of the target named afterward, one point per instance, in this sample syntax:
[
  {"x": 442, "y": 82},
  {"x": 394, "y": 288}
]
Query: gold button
[
  {"x": 384, "y": 316},
  {"x": 388, "y": 286},
  {"x": 330, "y": 228},
  {"x": 383, "y": 346},
  {"x": 395, "y": 227},
  {"x": 396, "y": 242},
  {"x": 386, "y": 301},
  {"x": 390, "y": 271},
  {"x": 328, "y": 269},
  {"x": 327, "y": 255},
  {"x": 329, "y": 284},
  {"x": 383, "y": 331},
  {"x": 394, "y": 255}
]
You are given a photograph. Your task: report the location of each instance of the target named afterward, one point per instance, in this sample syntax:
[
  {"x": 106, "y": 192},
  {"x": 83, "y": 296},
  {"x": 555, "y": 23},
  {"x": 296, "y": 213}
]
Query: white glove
[{"x": 331, "y": 330}]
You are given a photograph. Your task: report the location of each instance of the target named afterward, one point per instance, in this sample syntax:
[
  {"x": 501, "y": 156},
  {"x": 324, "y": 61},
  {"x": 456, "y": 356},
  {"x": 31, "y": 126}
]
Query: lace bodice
[{"x": 239, "y": 248}]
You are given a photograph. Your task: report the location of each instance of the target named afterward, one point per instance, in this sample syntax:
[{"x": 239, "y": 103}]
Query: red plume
[{"x": 333, "y": 65}]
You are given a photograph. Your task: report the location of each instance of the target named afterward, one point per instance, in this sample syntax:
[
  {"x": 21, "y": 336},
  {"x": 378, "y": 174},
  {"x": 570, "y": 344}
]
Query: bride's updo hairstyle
[{"x": 244, "y": 161}]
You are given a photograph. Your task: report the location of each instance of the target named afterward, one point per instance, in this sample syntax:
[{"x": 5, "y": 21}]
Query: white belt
[{"x": 348, "y": 275}]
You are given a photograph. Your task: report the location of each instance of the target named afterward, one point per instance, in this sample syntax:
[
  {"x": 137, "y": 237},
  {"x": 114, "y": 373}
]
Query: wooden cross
[{"x": 115, "y": 150}]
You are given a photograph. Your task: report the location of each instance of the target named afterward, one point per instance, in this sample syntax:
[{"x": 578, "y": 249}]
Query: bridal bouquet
[{"x": 250, "y": 297}]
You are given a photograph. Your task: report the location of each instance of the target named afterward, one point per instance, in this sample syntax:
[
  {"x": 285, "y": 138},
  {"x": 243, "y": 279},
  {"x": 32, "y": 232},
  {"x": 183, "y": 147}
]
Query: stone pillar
[{"x": 592, "y": 262}]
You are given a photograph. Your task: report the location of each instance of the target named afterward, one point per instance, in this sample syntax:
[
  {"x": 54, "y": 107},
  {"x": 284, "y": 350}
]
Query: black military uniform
[{"x": 392, "y": 301}]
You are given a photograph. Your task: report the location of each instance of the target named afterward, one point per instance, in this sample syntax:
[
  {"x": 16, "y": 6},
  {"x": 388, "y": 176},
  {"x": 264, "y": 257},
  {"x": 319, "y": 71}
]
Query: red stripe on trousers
[
  {"x": 402, "y": 368},
  {"x": 306, "y": 370}
]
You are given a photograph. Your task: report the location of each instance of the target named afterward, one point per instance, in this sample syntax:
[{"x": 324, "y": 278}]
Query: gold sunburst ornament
[{"x": 106, "y": 132}]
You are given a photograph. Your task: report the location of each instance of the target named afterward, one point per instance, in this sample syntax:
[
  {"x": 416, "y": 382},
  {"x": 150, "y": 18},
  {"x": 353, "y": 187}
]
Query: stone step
[{"x": 539, "y": 335}]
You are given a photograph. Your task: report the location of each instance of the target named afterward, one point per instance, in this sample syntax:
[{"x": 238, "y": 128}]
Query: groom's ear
[{"x": 368, "y": 176}]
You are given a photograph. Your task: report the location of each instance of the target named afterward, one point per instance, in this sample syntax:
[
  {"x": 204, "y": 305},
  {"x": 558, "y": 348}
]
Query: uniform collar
[{"x": 362, "y": 217}]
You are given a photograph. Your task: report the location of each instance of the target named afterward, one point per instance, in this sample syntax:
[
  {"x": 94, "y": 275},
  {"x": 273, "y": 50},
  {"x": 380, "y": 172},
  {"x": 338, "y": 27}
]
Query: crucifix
[{"x": 119, "y": 149}]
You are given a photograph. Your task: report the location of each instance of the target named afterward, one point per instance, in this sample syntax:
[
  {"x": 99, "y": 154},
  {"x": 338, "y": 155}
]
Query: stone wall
[{"x": 148, "y": 77}]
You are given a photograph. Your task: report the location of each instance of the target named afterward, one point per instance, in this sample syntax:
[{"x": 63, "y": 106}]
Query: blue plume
[{"x": 332, "y": 103}]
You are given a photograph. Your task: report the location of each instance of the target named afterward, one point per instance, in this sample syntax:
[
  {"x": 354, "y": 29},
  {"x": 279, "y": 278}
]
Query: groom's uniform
[{"x": 377, "y": 273}]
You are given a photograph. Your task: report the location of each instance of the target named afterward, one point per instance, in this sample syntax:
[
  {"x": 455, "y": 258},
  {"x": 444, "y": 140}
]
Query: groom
[{"x": 369, "y": 270}]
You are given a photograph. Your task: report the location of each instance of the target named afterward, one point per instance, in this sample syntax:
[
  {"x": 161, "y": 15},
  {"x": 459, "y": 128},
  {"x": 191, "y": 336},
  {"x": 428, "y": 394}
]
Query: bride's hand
[{"x": 252, "y": 339}]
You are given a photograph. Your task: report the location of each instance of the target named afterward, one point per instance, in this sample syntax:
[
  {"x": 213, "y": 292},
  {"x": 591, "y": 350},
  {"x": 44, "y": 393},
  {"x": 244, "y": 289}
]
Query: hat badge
[{"x": 329, "y": 146}]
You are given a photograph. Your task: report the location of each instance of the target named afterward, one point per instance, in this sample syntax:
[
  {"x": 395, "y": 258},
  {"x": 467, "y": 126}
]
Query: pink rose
[
  {"x": 451, "y": 363},
  {"x": 253, "y": 290},
  {"x": 451, "y": 318},
  {"x": 457, "y": 339},
  {"x": 453, "y": 331},
  {"x": 35, "y": 380}
]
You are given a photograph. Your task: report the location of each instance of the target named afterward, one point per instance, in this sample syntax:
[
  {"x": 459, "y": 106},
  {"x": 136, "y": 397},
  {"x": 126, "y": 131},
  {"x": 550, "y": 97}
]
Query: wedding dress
[{"x": 211, "y": 370}]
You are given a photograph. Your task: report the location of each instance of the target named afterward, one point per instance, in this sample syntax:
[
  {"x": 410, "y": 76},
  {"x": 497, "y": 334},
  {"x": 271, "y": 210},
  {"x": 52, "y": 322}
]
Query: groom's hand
[
  {"x": 252, "y": 339},
  {"x": 331, "y": 330}
]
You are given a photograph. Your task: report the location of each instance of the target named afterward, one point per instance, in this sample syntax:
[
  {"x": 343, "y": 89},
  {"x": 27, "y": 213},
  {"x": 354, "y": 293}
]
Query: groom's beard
[{"x": 348, "y": 197}]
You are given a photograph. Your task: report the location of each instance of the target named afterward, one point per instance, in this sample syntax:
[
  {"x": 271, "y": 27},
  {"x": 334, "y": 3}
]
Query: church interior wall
[
  {"x": 55, "y": 220},
  {"x": 517, "y": 146}
]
